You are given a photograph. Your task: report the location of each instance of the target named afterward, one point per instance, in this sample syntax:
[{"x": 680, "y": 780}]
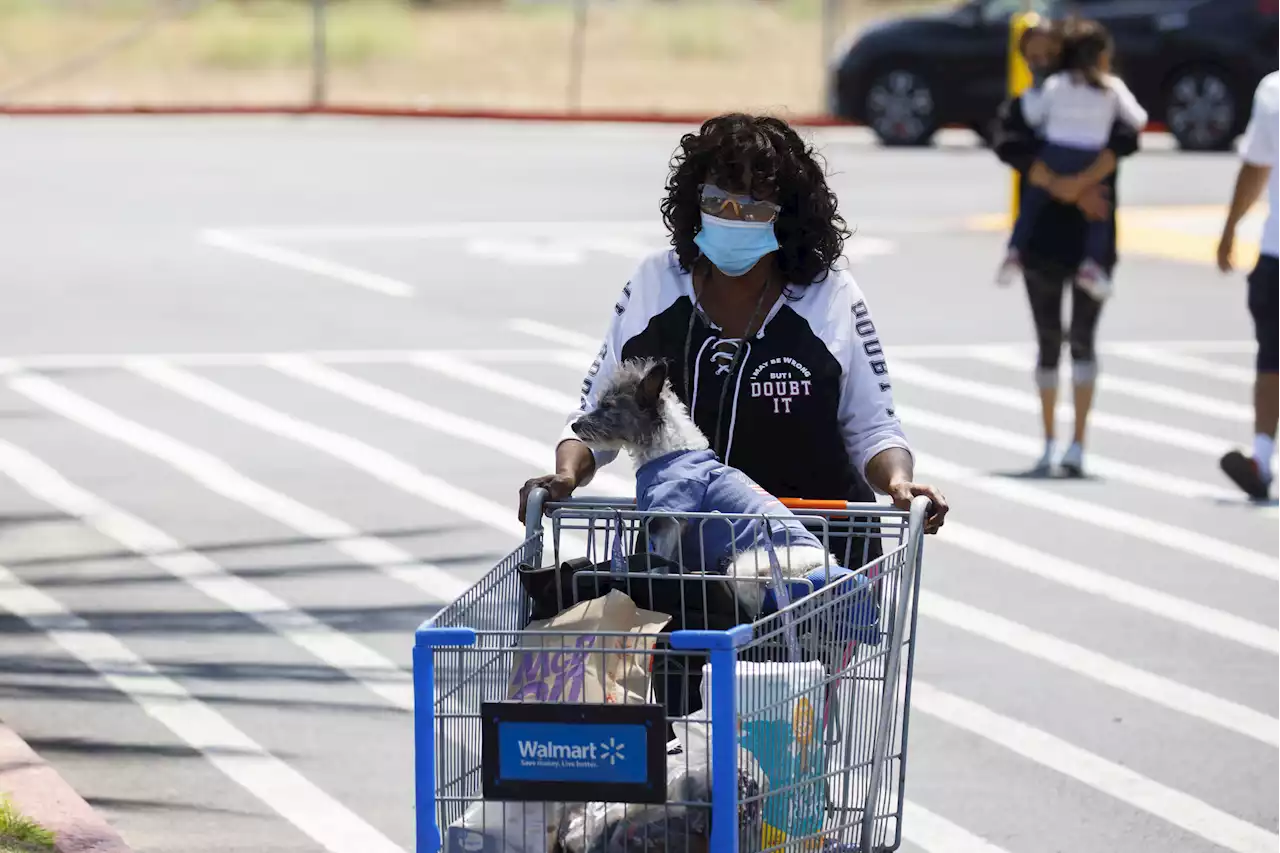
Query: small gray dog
[{"x": 677, "y": 472}]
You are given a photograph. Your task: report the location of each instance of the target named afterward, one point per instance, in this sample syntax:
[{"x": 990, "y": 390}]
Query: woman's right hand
[
  {"x": 1095, "y": 203},
  {"x": 558, "y": 488}
]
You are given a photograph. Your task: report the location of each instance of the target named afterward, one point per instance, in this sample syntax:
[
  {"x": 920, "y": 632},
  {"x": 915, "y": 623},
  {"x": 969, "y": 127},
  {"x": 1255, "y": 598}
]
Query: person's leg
[
  {"x": 1253, "y": 473},
  {"x": 1044, "y": 292},
  {"x": 1266, "y": 406},
  {"x": 1085, "y": 311}
]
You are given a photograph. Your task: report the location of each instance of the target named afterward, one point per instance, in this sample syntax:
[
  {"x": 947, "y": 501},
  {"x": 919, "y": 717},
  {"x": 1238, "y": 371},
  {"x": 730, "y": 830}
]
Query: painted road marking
[
  {"x": 309, "y": 264},
  {"x": 407, "y": 408},
  {"x": 219, "y": 477},
  {"x": 1023, "y": 401},
  {"x": 1112, "y": 469},
  {"x": 94, "y": 361},
  {"x": 1118, "y": 521},
  {"x": 382, "y": 465},
  {"x": 1154, "y": 602},
  {"x": 1139, "y": 389},
  {"x": 1177, "y": 233},
  {"x": 517, "y": 243},
  {"x": 290, "y": 794},
  {"x": 1121, "y": 783},
  {"x": 1096, "y": 667},
  {"x": 322, "y": 641},
  {"x": 926, "y": 829},
  {"x": 1163, "y": 358},
  {"x": 1180, "y": 233},
  {"x": 479, "y": 376}
]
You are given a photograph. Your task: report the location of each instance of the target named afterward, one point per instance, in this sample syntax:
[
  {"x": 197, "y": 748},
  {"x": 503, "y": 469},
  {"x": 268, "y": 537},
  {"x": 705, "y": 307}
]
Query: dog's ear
[{"x": 649, "y": 390}]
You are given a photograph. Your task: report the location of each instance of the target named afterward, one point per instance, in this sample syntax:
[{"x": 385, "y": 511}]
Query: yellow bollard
[{"x": 1019, "y": 79}]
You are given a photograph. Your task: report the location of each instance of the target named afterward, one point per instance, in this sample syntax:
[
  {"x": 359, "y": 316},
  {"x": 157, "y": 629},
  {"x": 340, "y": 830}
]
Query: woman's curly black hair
[{"x": 737, "y": 152}]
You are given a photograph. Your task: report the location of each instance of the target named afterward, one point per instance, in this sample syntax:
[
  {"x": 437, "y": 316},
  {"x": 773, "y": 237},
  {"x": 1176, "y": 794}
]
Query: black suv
[{"x": 1193, "y": 64}]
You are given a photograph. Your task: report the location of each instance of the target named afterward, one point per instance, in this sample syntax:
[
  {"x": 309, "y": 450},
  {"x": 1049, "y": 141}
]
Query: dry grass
[{"x": 677, "y": 55}]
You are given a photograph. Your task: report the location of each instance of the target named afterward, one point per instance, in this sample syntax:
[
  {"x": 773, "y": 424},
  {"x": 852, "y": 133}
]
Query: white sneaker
[
  {"x": 1010, "y": 269},
  {"x": 1073, "y": 460},
  {"x": 1045, "y": 463},
  {"x": 1093, "y": 280}
]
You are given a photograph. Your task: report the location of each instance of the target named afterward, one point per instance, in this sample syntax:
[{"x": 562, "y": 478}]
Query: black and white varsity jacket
[{"x": 810, "y": 403}]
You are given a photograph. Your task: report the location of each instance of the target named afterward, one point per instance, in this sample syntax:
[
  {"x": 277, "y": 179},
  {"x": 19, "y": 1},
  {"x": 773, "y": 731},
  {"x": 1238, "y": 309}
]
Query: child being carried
[{"x": 1074, "y": 111}]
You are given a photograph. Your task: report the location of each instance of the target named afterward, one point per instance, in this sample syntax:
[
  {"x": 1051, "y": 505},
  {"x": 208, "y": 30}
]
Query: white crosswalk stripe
[
  {"x": 1023, "y": 401},
  {"x": 1155, "y": 357},
  {"x": 1139, "y": 389},
  {"x": 506, "y": 407},
  {"x": 328, "y": 822},
  {"x": 1120, "y": 782}
]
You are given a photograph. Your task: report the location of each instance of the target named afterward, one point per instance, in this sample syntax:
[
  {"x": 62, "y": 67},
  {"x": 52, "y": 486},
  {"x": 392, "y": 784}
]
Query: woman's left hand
[{"x": 903, "y": 492}]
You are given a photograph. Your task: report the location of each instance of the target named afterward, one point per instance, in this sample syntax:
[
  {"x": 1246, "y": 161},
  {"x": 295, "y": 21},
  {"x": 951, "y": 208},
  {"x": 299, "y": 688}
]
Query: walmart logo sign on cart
[
  {"x": 563, "y": 752},
  {"x": 555, "y": 753}
]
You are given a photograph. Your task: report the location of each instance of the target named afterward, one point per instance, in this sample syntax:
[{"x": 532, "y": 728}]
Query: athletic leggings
[{"x": 1044, "y": 290}]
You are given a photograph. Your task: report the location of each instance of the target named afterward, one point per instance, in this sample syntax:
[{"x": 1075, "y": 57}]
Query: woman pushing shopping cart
[{"x": 591, "y": 695}]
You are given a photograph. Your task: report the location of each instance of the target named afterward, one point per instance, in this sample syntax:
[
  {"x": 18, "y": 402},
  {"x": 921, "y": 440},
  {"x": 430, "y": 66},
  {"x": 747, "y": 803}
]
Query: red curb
[
  {"x": 391, "y": 112},
  {"x": 42, "y": 795},
  {"x": 589, "y": 116}
]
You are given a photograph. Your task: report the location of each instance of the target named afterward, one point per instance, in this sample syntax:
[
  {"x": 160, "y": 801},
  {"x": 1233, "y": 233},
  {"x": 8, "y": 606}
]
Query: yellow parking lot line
[{"x": 1188, "y": 234}]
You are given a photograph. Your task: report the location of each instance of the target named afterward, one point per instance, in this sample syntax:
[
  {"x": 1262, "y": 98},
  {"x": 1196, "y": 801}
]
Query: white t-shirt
[
  {"x": 1260, "y": 147},
  {"x": 1073, "y": 113}
]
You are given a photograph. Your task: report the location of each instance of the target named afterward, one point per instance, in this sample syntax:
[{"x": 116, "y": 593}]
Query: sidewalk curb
[
  {"x": 42, "y": 795},
  {"x": 459, "y": 113}
]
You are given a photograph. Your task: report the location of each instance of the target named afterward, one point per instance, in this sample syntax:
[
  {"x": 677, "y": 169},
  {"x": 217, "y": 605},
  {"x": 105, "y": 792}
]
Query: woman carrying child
[{"x": 1055, "y": 245}]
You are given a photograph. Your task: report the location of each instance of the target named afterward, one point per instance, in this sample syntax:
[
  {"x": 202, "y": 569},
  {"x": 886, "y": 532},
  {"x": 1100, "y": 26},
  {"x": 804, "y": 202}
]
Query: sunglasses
[{"x": 714, "y": 201}]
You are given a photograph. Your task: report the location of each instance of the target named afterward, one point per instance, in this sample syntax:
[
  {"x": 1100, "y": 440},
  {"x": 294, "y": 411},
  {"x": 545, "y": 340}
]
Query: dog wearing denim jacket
[{"x": 676, "y": 471}]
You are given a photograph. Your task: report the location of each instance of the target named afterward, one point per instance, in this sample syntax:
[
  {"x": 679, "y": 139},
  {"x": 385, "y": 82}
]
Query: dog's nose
[{"x": 576, "y": 426}]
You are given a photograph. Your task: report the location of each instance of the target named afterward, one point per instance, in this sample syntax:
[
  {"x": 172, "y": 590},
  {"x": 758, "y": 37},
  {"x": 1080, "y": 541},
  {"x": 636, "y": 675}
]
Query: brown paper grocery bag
[{"x": 583, "y": 666}]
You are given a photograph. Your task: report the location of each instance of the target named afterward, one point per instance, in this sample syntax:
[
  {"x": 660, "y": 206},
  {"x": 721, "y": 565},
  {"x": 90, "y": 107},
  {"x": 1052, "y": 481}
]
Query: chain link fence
[{"x": 547, "y": 56}]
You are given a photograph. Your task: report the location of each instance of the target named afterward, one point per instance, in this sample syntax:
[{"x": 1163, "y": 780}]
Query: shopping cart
[{"x": 781, "y": 730}]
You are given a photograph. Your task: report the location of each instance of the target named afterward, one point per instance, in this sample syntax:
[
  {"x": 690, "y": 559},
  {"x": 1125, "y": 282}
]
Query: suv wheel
[
  {"x": 1200, "y": 109},
  {"x": 899, "y": 108}
]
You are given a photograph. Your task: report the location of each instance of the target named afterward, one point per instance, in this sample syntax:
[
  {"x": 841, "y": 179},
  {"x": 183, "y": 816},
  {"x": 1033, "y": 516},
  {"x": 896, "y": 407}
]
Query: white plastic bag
[{"x": 491, "y": 827}]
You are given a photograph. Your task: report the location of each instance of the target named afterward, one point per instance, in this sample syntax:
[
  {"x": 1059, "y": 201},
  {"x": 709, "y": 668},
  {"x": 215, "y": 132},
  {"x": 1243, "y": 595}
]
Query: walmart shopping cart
[{"x": 775, "y": 724}]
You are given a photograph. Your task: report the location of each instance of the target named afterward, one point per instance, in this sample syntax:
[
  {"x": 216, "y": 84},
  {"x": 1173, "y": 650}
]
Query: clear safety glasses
[{"x": 742, "y": 208}]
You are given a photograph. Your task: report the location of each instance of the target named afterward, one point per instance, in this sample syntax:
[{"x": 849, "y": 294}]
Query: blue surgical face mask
[{"x": 735, "y": 246}]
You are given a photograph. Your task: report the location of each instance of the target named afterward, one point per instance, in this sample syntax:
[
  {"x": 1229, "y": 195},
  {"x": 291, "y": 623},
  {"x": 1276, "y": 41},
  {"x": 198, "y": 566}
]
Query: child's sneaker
[
  {"x": 1010, "y": 269},
  {"x": 1093, "y": 280},
  {"x": 1245, "y": 472}
]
